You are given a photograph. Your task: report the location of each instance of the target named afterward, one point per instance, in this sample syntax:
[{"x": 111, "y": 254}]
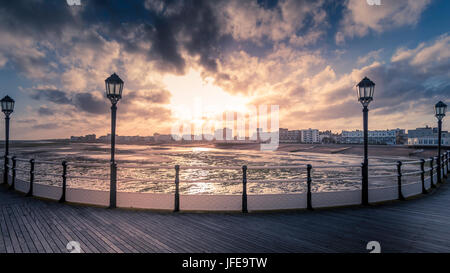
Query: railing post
[
  {"x": 177, "y": 188},
  {"x": 64, "y": 182},
  {"x": 422, "y": 175},
  {"x": 244, "y": 189},
  {"x": 113, "y": 186},
  {"x": 308, "y": 183},
  {"x": 448, "y": 160},
  {"x": 399, "y": 180},
  {"x": 30, "y": 191},
  {"x": 5, "y": 170},
  {"x": 443, "y": 164},
  {"x": 431, "y": 172},
  {"x": 13, "y": 173}
]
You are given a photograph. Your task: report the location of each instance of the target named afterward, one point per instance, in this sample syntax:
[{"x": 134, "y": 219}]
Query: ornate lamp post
[
  {"x": 440, "y": 109},
  {"x": 7, "y": 108},
  {"x": 365, "y": 89},
  {"x": 114, "y": 87}
]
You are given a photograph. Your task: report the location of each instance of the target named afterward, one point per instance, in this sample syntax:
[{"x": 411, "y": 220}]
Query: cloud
[
  {"x": 52, "y": 95},
  {"x": 89, "y": 103},
  {"x": 45, "y": 111},
  {"x": 371, "y": 56},
  {"x": 248, "y": 20},
  {"x": 359, "y": 18},
  {"x": 45, "y": 126}
]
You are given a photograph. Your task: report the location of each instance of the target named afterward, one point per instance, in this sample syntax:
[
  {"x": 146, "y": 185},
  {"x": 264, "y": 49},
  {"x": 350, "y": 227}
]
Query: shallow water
[{"x": 138, "y": 179}]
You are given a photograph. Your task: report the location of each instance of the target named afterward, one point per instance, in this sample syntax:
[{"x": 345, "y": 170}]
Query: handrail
[
  {"x": 382, "y": 164},
  {"x": 22, "y": 159},
  {"x": 336, "y": 166},
  {"x": 309, "y": 179},
  {"x": 337, "y": 178},
  {"x": 88, "y": 177},
  {"x": 411, "y": 162},
  {"x": 47, "y": 162},
  {"x": 383, "y": 176},
  {"x": 86, "y": 165}
]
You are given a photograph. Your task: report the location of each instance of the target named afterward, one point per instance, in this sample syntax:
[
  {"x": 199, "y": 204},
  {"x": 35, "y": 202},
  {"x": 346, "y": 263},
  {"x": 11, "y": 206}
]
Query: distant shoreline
[{"x": 351, "y": 149}]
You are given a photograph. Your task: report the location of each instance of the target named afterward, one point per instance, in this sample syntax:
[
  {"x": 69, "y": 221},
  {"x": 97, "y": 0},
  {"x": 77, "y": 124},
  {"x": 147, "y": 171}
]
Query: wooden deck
[{"x": 32, "y": 225}]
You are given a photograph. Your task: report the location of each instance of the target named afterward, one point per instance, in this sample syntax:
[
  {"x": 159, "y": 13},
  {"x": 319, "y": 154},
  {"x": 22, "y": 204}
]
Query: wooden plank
[{"x": 33, "y": 225}]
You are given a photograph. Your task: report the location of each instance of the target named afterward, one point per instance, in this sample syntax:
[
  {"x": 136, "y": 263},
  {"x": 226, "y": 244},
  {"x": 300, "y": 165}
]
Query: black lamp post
[
  {"x": 365, "y": 90},
  {"x": 114, "y": 87},
  {"x": 440, "y": 109},
  {"x": 7, "y": 108}
]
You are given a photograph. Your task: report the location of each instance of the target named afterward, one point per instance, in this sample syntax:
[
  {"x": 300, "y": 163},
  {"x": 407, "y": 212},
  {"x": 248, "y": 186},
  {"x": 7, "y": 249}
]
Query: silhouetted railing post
[
  {"x": 30, "y": 191},
  {"x": 422, "y": 175},
  {"x": 443, "y": 164},
  {"x": 308, "y": 183},
  {"x": 244, "y": 189},
  {"x": 444, "y": 158},
  {"x": 113, "y": 185},
  {"x": 13, "y": 173},
  {"x": 64, "y": 182},
  {"x": 363, "y": 197},
  {"x": 431, "y": 172},
  {"x": 399, "y": 180},
  {"x": 448, "y": 161},
  {"x": 5, "y": 170},
  {"x": 177, "y": 188}
]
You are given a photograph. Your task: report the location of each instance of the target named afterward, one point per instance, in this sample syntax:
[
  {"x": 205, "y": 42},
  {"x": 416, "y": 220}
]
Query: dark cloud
[
  {"x": 159, "y": 96},
  {"x": 45, "y": 111},
  {"x": 52, "y": 95},
  {"x": 88, "y": 103},
  {"x": 85, "y": 102},
  {"x": 47, "y": 126},
  {"x": 174, "y": 26}
]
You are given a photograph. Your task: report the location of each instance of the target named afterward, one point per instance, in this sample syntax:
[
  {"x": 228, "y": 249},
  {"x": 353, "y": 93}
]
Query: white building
[
  {"x": 310, "y": 136},
  {"x": 375, "y": 137},
  {"x": 428, "y": 141},
  {"x": 427, "y": 136}
]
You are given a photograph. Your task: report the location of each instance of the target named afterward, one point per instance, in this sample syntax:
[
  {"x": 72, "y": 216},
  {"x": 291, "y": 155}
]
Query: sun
[{"x": 195, "y": 98}]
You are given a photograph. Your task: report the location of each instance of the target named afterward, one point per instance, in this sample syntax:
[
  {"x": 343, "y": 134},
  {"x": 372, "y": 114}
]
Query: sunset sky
[{"x": 305, "y": 56}]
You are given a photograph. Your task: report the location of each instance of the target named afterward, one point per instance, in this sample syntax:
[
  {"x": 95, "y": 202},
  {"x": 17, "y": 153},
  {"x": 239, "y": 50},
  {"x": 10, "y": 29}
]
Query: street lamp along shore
[
  {"x": 7, "y": 108},
  {"x": 365, "y": 90},
  {"x": 440, "y": 108},
  {"x": 114, "y": 87}
]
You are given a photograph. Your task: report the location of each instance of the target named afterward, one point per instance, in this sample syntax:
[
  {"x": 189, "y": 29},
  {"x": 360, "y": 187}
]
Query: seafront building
[
  {"x": 390, "y": 137},
  {"x": 427, "y": 136},
  {"x": 289, "y": 136},
  {"x": 310, "y": 136}
]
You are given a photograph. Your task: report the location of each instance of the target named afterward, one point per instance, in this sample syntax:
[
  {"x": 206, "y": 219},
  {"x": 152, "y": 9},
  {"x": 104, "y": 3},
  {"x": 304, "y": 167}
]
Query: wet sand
[{"x": 351, "y": 149}]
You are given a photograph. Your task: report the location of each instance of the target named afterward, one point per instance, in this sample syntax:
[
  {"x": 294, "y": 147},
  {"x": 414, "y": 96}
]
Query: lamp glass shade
[
  {"x": 7, "y": 105},
  {"x": 365, "y": 90},
  {"x": 440, "y": 109},
  {"x": 114, "y": 87}
]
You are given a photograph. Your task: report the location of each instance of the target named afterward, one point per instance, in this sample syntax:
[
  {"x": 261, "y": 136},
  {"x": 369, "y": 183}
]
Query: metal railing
[{"x": 432, "y": 170}]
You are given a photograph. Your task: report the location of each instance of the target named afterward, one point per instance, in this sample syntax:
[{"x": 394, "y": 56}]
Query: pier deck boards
[{"x": 33, "y": 225}]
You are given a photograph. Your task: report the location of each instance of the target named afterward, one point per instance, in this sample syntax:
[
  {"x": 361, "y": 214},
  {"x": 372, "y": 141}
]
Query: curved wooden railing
[{"x": 432, "y": 171}]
